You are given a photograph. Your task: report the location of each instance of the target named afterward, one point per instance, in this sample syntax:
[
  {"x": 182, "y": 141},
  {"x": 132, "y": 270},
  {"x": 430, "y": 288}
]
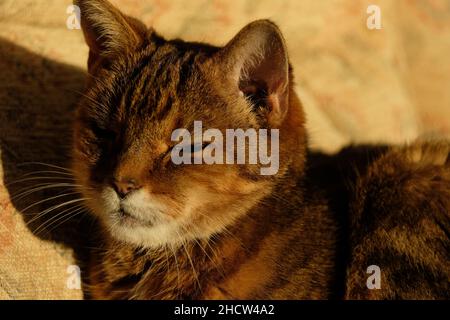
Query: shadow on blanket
[{"x": 37, "y": 101}]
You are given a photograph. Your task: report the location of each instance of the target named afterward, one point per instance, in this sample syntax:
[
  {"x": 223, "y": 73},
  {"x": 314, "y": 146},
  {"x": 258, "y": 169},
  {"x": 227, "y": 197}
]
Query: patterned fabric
[{"x": 357, "y": 85}]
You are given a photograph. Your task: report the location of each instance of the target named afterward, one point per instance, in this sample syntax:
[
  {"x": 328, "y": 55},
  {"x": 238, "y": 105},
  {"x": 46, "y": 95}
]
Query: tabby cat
[{"x": 221, "y": 231}]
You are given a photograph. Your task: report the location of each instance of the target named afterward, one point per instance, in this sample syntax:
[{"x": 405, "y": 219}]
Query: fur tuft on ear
[
  {"x": 257, "y": 64},
  {"x": 107, "y": 31}
]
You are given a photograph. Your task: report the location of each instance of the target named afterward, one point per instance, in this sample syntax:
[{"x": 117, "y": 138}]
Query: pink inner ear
[
  {"x": 270, "y": 69},
  {"x": 264, "y": 82},
  {"x": 278, "y": 108},
  {"x": 256, "y": 58}
]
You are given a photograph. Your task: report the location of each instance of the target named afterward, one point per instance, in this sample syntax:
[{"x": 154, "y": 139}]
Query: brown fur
[{"x": 250, "y": 236}]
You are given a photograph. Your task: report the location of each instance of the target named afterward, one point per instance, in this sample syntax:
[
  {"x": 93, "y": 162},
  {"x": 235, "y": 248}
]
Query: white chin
[{"x": 147, "y": 236}]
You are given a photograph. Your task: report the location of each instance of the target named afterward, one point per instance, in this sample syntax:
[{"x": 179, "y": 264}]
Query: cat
[{"x": 220, "y": 231}]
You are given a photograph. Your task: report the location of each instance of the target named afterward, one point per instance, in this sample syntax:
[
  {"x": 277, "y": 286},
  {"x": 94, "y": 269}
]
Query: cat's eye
[
  {"x": 102, "y": 133},
  {"x": 194, "y": 149}
]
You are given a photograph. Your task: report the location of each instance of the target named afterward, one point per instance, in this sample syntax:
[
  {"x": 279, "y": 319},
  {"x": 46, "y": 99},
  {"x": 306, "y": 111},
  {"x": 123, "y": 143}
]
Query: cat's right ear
[
  {"x": 255, "y": 63},
  {"x": 107, "y": 31}
]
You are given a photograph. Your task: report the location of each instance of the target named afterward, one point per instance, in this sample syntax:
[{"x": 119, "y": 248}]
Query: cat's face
[{"x": 142, "y": 89}]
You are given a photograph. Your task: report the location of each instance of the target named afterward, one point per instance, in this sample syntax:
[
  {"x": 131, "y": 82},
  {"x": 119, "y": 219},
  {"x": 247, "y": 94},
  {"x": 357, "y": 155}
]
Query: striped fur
[{"x": 225, "y": 232}]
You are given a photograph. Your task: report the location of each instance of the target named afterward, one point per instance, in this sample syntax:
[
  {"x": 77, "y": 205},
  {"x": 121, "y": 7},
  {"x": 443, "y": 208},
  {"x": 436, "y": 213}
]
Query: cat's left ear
[
  {"x": 256, "y": 63},
  {"x": 107, "y": 31}
]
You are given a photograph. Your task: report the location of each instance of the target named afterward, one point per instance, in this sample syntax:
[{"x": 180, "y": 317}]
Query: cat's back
[{"x": 399, "y": 214}]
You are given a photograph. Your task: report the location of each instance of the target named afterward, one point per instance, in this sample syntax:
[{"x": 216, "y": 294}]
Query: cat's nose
[{"x": 125, "y": 186}]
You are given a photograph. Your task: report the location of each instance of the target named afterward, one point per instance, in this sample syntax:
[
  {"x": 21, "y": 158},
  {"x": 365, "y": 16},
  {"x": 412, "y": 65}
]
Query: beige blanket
[{"x": 357, "y": 85}]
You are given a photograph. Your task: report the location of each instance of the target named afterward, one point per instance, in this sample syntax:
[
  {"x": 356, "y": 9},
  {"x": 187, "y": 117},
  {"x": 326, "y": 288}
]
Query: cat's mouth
[{"x": 130, "y": 220}]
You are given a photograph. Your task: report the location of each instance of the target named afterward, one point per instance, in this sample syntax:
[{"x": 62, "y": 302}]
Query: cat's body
[
  {"x": 278, "y": 250},
  {"x": 297, "y": 243},
  {"x": 224, "y": 231}
]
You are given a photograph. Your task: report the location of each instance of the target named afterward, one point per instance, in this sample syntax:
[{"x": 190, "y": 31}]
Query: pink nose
[{"x": 125, "y": 186}]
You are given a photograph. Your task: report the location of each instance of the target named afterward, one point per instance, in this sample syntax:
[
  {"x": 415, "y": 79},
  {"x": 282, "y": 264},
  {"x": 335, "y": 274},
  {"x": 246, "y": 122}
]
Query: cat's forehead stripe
[{"x": 162, "y": 76}]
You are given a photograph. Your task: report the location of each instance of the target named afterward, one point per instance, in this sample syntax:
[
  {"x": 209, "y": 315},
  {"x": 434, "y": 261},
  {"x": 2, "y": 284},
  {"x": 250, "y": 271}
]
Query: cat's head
[{"x": 142, "y": 88}]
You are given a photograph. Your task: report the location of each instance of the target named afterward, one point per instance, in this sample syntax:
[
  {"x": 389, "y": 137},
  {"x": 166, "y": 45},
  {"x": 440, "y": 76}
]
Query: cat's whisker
[
  {"x": 97, "y": 249},
  {"x": 214, "y": 252},
  {"x": 71, "y": 209},
  {"x": 167, "y": 266},
  {"x": 98, "y": 104},
  {"x": 39, "y": 178},
  {"x": 46, "y": 171},
  {"x": 46, "y": 211},
  {"x": 44, "y": 164},
  {"x": 278, "y": 197},
  {"x": 192, "y": 264},
  {"x": 199, "y": 244},
  {"x": 48, "y": 199},
  {"x": 66, "y": 217},
  {"x": 94, "y": 77},
  {"x": 38, "y": 187},
  {"x": 204, "y": 250},
  {"x": 213, "y": 261},
  {"x": 226, "y": 231},
  {"x": 176, "y": 265}
]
